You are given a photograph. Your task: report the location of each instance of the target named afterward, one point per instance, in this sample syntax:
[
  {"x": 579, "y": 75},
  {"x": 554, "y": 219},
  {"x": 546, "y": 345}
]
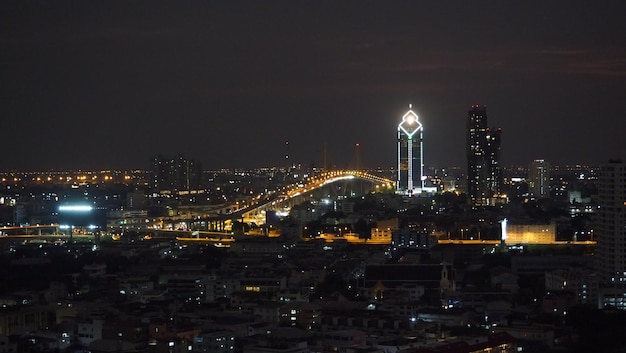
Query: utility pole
[
  {"x": 358, "y": 165},
  {"x": 324, "y": 165}
]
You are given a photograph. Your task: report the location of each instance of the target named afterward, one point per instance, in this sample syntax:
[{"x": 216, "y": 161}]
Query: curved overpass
[
  {"x": 325, "y": 178},
  {"x": 284, "y": 196},
  {"x": 315, "y": 182}
]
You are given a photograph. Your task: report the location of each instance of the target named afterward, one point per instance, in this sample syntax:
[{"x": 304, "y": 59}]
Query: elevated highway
[
  {"x": 294, "y": 194},
  {"x": 285, "y": 197}
]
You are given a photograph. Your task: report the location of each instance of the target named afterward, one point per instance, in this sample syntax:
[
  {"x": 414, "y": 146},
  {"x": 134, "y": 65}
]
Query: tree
[
  {"x": 239, "y": 228},
  {"x": 333, "y": 283},
  {"x": 363, "y": 229}
]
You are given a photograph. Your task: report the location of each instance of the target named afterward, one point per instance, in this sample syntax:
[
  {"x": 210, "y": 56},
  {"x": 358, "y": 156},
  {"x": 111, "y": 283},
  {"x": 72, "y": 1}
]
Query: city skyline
[{"x": 109, "y": 85}]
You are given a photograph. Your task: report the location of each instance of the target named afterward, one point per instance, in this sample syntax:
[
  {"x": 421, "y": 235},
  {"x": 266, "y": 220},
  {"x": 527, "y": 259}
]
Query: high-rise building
[
  {"x": 484, "y": 175},
  {"x": 175, "y": 174},
  {"x": 610, "y": 233},
  {"x": 539, "y": 178},
  {"x": 410, "y": 155}
]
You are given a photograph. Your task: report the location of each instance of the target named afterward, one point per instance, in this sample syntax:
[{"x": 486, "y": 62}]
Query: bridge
[
  {"x": 296, "y": 193},
  {"x": 30, "y": 230},
  {"x": 286, "y": 197},
  {"x": 325, "y": 178}
]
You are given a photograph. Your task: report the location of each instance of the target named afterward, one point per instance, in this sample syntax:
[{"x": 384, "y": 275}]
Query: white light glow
[
  {"x": 76, "y": 208},
  {"x": 410, "y": 118}
]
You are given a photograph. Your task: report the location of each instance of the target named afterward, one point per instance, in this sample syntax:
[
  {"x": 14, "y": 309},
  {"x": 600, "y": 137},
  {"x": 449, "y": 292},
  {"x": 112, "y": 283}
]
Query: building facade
[
  {"x": 610, "y": 234},
  {"x": 529, "y": 233},
  {"x": 484, "y": 175},
  {"x": 410, "y": 178},
  {"x": 539, "y": 178},
  {"x": 175, "y": 174}
]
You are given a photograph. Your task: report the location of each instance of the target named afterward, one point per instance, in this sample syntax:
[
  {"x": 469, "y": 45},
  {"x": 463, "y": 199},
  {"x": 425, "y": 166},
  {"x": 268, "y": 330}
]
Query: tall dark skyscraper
[
  {"x": 484, "y": 175},
  {"x": 539, "y": 178},
  {"x": 610, "y": 233}
]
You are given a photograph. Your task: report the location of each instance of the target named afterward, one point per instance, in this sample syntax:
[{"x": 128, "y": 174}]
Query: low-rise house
[
  {"x": 337, "y": 341},
  {"x": 25, "y": 318},
  {"x": 281, "y": 340},
  {"x": 436, "y": 278},
  {"x": 216, "y": 341},
  {"x": 89, "y": 330},
  {"x": 268, "y": 312},
  {"x": 582, "y": 282},
  {"x": 558, "y": 302},
  {"x": 448, "y": 317},
  {"x": 300, "y": 314},
  {"x": 503, "y": 278}
]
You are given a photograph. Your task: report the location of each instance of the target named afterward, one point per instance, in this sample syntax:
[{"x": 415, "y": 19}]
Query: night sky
[{"x": 109, "y": 84}]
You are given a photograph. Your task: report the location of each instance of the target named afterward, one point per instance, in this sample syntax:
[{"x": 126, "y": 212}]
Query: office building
[
  {"x": 610, "y": 233},
  {"x": 175, "y": 174},
  {"x": 539, "y": 178},
  {"x": 484, "y": 175}
]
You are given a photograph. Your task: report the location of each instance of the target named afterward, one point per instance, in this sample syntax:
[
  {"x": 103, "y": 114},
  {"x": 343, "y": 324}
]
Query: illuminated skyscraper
[
  {"x": 410, "y": 155},
  {"x": 484, "y": 176},
  {"x": 539, "y": 178}
]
